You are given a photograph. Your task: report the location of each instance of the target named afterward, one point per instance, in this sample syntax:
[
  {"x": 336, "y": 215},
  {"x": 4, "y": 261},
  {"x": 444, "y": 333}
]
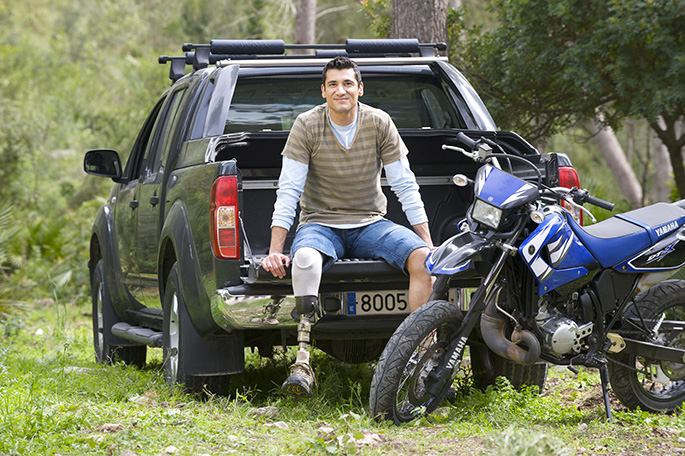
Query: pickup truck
[{"x": 175, "y": 251}]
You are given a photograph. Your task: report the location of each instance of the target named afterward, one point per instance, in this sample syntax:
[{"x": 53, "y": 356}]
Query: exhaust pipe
[{"x": 492, "y": 326}]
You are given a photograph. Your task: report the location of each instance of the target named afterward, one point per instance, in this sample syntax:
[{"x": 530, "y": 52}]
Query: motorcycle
[{"x": 551, "y": 291}]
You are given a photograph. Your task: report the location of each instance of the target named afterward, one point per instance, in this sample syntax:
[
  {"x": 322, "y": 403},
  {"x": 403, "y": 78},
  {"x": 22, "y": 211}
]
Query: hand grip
[{"x": 600, "y": 203}]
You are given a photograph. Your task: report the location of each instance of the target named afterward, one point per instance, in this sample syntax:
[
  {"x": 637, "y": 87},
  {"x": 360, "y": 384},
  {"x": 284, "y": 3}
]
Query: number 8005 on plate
[{"x": 376, "y": 302}]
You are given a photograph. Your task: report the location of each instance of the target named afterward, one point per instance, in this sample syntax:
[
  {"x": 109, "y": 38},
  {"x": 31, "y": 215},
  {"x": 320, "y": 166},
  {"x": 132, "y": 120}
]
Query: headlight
[{"x": 486, "y": 214}]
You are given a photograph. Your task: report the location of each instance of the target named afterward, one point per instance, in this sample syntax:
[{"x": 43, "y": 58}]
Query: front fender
[
  {"x": 104, "y": 245},
  {"x": 462, "y": 255}
]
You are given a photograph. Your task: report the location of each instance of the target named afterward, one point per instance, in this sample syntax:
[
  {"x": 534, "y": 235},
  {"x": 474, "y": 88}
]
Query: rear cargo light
[
  {"x": 568, "y": 177},
  {"x": 223, "y": 222}
]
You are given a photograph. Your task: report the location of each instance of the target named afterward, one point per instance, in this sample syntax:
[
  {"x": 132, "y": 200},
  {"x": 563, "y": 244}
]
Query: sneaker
[{"x": 300, "y": 381}]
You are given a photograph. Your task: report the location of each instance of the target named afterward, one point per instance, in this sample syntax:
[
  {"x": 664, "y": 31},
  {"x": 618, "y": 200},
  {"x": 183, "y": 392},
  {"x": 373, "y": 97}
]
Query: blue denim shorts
[{"x": 383, "y": 239}]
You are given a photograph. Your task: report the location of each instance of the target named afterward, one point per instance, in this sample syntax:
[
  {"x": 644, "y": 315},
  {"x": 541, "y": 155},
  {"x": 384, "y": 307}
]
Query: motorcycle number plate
[{"x": 387, "y": 302}]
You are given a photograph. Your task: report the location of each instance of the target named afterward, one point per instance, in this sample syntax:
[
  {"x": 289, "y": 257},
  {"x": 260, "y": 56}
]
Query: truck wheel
[
  {"x": 106, "y": 348},
  {"x": 353, "y": 351},
  {"x": 176, "y": 357},
  {"x": 486, "y": 366}
]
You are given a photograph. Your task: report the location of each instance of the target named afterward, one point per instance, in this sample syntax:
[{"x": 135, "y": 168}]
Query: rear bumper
[
  {"x": 265, "y": 302},
  {"x": 269, "y": 312}
]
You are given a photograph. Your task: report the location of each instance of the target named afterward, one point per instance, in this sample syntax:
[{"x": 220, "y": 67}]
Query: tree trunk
[
  {"x": 617, "y": 162},
  {"x": 669, "y": 131},
  {"x": 305, "y": 24},
  {"x": 663, "y": 172},
  {"x": 422, "y": 19}
]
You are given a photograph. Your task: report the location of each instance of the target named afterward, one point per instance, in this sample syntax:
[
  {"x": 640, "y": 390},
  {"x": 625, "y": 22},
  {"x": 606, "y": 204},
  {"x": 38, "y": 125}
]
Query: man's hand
[{"x": 276, "y": 263}]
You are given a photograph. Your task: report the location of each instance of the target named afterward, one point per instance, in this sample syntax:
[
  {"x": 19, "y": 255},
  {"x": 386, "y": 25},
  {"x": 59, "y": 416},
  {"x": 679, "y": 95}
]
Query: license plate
[{"x": 377, "y": 302}]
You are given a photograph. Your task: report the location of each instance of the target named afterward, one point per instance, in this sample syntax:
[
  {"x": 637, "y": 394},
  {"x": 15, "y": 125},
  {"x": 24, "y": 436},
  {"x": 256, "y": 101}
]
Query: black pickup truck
[{"x": 175, "y": 251}]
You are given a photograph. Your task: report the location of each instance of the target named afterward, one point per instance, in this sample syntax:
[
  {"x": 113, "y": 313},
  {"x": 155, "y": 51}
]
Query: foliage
[
  {"x": 91, "y": 84},
  {"x": 55, "y": 399},
  {"x": 549, "y": 65},
  {"x": 526, "y": 443},
  {"x": 379, "y": 13}
]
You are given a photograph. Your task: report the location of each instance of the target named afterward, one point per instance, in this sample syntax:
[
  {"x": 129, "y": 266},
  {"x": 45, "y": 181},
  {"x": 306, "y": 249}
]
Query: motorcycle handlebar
[
  {"x": 470, "y": 143},
  {"x": 582, "y": 196},
  {"x": 600, "y": 203}
]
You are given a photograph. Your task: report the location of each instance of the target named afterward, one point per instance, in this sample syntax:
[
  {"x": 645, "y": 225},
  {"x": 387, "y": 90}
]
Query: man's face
[{"x": 341, "y": 90}]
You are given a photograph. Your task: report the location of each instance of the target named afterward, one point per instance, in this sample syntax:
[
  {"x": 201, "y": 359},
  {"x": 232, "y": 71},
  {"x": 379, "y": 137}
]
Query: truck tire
[
  {"x": 108, "y": 349},
  {"x": 486, "y": 366},
  {"x": 177, "y": 327},
  {"x": 352, "y": 351},
  {"x": 653, "y": 385}
]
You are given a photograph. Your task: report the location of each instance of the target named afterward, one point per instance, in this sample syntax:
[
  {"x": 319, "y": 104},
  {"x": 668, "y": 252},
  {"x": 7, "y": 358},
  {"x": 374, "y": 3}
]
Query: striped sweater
[{"x": 343, "y": 184}]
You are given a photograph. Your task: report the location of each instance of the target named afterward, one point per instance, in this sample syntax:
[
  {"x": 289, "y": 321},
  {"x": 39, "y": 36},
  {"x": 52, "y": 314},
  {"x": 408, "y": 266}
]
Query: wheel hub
[
  {"x": 675, "y": 371},
  {"x": 428, "y": 362}
]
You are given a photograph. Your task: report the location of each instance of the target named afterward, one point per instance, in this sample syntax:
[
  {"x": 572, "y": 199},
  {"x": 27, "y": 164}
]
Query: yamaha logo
[
  {"x": 666, "y": 228},
  {"x": 456, "y": 355}
]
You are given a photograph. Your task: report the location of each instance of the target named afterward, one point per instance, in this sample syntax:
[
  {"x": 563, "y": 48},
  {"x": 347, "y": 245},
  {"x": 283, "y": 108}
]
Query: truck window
[
  {"x": 136, "y": 165},
  {"x": 414, "y": 101},
  {"x": 159, "y": 140},
  {"x": 165, "y": 134}
]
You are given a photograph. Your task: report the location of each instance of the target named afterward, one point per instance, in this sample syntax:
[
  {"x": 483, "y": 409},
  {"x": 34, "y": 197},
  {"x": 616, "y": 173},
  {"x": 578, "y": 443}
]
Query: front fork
[{"x": 455, "y": 351}]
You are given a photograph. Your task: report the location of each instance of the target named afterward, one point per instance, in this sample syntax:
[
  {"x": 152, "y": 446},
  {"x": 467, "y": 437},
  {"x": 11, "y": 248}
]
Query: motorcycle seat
[{"x": 625, "y": 235}]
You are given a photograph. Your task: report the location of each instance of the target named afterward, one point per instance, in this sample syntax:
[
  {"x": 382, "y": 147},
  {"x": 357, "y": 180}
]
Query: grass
[{"x": 54, "y": 399}]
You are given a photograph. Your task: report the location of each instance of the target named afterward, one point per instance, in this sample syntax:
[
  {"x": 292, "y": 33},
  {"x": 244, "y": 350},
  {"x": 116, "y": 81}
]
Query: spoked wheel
[
  {"x": 653, "y": 384},
  {"x": 402, "y": 383}
]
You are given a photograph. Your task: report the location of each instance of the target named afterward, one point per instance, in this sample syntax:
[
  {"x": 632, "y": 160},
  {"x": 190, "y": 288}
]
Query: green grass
[{"x": 54, "y": 399}]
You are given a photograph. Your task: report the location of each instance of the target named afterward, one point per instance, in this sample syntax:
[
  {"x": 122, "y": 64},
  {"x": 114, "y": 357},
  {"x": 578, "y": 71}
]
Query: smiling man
[{"x": 332, "y": 164}]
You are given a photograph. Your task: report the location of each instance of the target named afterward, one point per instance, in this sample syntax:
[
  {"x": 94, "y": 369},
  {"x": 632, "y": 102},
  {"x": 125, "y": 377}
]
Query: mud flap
[{"x": 220, "y": 354}]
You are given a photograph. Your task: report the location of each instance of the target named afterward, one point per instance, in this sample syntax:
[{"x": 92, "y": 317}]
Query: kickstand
[{"x": 604, "y": 376}]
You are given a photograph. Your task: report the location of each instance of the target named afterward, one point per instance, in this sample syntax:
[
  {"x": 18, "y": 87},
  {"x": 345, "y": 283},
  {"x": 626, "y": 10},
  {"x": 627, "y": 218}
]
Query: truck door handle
[
  {"x": 134, "y": 204},
  {"x": 154, "y": 200}
]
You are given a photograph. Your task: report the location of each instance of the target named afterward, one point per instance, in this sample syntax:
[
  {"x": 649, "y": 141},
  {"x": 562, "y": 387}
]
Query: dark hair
[{"x": 341, "y": 63}]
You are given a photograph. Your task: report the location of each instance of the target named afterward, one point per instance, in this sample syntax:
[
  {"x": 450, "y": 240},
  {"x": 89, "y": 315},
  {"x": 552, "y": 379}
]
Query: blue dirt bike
[{"x": 551, "y": 291}]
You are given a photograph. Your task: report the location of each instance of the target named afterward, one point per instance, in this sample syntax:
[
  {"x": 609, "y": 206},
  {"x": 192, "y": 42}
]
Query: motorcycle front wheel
[
  {"x": 399, "y": 389},
  {"x": 651, "y": 384}
]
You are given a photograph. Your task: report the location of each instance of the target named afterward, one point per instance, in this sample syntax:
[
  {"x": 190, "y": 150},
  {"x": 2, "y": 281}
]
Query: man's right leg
[{"x": 306, "y": 277}]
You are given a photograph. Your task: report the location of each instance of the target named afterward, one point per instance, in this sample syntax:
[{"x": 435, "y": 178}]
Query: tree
[
  {"x": 305, "y": 21},
  {"x": 422, "y": 19},
  {"x": 617, "y": 161},
  {"x": 550, "y": 65}
]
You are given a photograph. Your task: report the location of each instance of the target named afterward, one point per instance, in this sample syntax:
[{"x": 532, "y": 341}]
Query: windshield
[{"x": 414, "y": 101}]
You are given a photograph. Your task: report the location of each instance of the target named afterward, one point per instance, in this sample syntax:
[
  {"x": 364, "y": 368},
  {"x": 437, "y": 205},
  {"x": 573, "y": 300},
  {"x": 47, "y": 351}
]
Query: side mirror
[{"x": 103, "y": 163}]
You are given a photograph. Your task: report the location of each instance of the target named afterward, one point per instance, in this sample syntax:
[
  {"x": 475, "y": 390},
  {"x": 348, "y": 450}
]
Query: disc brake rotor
[{"x": 417, "y": 394}]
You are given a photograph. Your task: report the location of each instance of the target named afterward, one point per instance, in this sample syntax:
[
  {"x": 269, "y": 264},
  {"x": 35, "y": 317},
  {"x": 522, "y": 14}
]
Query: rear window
[{"x": 272, "y": 103}]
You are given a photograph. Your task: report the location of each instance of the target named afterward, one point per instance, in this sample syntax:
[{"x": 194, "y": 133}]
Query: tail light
[
  {"x": 223, "y": 223},
  {"x": 568, "y": 177}
]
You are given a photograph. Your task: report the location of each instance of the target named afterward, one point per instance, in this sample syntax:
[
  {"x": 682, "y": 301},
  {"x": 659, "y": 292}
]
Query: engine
[{"x": 561, "y": 335}]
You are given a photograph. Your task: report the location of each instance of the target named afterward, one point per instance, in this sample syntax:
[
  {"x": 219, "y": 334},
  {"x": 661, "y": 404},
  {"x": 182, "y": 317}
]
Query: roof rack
[{"x": 202, "y": 55}]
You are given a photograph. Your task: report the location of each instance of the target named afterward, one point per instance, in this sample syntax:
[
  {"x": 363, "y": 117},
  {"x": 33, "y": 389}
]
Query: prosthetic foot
[{"x": 301, "y": 381}]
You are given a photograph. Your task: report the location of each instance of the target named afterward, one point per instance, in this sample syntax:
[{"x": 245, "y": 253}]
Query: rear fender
[
  {"x": 212, "y": 351},
  {"x": 461, "y": 256},
  {"x": 178, "y": 232}
]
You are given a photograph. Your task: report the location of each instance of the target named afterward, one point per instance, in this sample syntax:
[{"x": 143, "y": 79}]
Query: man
[{"x": 332, "y": 165}]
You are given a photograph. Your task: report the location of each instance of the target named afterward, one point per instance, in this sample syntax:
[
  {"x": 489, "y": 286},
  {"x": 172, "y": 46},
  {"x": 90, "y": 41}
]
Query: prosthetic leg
[{"x": 306, "y": 273}]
